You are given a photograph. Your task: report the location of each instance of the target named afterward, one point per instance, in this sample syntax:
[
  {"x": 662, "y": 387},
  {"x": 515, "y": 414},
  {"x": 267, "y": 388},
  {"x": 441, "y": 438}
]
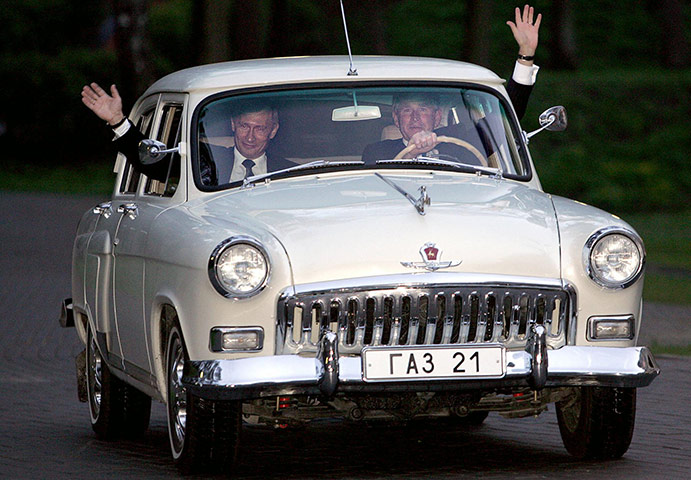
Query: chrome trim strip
[
  {"x": 256, "y": 377},
  {"x": 415, "y": 279},
  {"x": 573, "y": 319}
]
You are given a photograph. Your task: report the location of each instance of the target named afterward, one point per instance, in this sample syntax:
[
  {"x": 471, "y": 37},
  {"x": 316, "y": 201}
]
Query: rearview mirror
[{"x": 355, "y": 113}]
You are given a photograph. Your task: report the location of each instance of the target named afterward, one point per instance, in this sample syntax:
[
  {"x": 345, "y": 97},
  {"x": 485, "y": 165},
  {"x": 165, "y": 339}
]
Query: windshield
[{"x": 250, "y": 135}]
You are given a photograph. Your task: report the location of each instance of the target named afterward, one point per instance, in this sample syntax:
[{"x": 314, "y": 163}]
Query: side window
[
  {"x": 169, "y": 132},
  {"x": 130, "y": 178}
]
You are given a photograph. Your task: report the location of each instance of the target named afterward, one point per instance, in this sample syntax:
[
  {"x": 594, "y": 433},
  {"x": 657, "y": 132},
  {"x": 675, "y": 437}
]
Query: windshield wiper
[
  {"x": 464, "y": 167},
  {"x": 249, "y": 181},
  {"x": 419, "y": 203}
]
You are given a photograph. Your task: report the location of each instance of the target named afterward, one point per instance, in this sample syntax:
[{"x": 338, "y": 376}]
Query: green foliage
[
  {"x": 170, "y": 33},
  {"x": 626, "y": 148},
  {"x": 627, "y": 144},
  {"x": 435, "y": 30},
  {"x": 672, "y": 288},
  {"x": 667, "y": 238}
]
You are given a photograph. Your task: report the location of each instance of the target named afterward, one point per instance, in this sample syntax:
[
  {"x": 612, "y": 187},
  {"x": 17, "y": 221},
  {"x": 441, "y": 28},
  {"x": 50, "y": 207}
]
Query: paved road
[{"x": 45, "y": 431}]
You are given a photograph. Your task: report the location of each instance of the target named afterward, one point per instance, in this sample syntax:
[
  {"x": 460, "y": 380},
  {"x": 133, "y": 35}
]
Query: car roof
[{"x": 298, "y": 70}]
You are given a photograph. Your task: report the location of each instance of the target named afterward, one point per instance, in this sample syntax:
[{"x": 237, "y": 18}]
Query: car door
[
  {"x": 131, "y": 249},
  {"x": 100, "y": 250}
]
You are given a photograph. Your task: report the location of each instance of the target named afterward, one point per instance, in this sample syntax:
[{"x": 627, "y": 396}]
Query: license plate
[{"x": 418, "y": 363}]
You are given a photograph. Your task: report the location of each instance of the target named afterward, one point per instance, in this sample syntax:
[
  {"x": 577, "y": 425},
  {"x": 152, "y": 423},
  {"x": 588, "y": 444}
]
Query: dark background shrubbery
[
  {"x": 626, "y": 148},
  {"x": 628, "y": 141}
]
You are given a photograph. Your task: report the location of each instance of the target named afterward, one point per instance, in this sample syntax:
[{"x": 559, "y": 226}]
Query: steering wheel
[{"x": 445, "y": 139}]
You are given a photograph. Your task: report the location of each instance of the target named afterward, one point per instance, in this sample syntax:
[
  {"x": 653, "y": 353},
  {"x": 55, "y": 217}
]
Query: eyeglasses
[{"x": 258, "y": 130}]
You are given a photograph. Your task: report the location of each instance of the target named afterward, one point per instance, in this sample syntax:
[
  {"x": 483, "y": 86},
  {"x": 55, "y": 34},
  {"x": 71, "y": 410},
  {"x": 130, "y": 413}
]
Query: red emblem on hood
[
  {"x": 431, "y": 252},
  {"x": 431, "y": 259}
]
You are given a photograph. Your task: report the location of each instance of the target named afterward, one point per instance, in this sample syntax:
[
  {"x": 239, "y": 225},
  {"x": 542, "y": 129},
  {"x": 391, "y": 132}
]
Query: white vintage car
[{"x": 346, "y": 285}]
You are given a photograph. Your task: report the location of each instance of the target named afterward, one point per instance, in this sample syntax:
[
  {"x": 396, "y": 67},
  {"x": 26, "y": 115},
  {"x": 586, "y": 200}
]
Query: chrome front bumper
[{"x": 326, "y": 374}]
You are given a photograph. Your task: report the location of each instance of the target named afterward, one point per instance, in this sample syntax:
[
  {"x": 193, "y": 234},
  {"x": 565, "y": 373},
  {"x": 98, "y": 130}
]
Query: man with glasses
[{"x": 253, "y": 124}]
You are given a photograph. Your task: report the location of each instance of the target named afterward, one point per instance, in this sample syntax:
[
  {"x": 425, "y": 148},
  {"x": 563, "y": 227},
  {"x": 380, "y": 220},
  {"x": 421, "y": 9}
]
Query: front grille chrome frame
[{"x": 447, "y": 314}]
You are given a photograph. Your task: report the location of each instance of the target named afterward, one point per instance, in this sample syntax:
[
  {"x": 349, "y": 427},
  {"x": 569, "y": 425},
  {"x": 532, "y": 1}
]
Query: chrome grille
[{"x": 421, "y": 316}]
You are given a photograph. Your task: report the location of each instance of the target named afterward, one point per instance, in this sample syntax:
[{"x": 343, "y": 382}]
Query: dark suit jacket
[
  {"x": 519, "y": 95},
  {"x": 388, "y": 149},
  {"x": 215, "y": 161},
  {"x": 128, "y": 145}
]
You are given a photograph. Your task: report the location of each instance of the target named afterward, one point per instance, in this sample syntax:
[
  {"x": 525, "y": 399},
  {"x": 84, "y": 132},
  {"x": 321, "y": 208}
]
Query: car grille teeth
[{"x": 421, "y": 316}]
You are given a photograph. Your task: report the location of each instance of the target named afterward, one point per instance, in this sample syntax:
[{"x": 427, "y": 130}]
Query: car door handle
[
  {"x": 130, "y": 209},
  {"x": 104, "y": 209}
]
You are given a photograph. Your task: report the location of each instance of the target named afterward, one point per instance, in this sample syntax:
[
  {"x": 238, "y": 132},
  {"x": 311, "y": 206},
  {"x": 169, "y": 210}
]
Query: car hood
[{"x": 346, "y": 226}]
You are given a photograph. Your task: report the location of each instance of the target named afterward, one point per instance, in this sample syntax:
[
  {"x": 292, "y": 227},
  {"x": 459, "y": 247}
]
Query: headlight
[
  {"x": 238, "y": 267},
  {"x": 614, "y": 257}
]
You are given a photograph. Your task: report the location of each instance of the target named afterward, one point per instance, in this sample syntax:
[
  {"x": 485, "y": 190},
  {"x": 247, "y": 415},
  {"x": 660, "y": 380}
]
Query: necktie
[{"x": 248, "y": 164}]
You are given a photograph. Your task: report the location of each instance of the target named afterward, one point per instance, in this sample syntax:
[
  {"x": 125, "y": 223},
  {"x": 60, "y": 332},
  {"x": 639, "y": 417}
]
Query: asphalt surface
[{"x": 45, "y": 431}]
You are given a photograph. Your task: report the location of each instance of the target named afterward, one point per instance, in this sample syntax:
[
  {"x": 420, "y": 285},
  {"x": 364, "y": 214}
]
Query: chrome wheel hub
[
  {"x": 177, "y": 396},
  {"x": 95, "y": 376}
]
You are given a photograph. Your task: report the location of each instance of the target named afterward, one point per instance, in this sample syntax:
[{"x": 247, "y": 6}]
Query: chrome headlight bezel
[
  {"x": 593, "y": 271},
  {"x": 217, "y": 255}
]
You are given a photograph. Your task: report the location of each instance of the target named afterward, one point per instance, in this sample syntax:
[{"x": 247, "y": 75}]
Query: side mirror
[
  {"x": 151, "y": 151},
  {"x": 552, "y": 119}
]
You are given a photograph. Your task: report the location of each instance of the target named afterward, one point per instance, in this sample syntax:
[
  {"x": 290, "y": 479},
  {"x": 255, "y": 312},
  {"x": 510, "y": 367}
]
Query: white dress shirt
[
  {"x": 524, "y": 74},
  {"x": 239, "y": 171},
  {"x": 122, "y": 129}
]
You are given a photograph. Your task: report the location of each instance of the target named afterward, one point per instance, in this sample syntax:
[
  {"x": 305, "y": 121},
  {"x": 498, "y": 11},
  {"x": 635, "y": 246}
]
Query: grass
[
  {"x": 684, "y": 351},
  {"x": 83, "y": 179},
  {"x": 667, "y": 238}
]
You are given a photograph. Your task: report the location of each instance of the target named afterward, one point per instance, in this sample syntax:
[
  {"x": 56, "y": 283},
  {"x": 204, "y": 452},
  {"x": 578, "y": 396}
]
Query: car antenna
[{"x": 351, "y": 70}]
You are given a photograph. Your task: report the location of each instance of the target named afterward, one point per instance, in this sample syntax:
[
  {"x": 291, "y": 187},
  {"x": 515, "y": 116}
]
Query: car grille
[{"x": 422, "y": 316}]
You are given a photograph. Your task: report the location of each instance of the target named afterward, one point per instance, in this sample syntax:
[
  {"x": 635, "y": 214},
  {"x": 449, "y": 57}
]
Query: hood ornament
[{"x": 431, "y": 259}]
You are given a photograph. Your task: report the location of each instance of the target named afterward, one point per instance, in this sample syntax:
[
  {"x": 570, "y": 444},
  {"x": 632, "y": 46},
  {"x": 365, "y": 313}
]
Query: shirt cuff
[
  {"x": 122, "y": 129},
  {"x": 525, "y": 75}
]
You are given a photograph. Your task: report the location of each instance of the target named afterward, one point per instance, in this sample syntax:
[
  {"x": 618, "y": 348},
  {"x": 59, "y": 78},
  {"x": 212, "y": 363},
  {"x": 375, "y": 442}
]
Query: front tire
[
  {"x": 204, "y": 434},
  {"x": 597, "y": 422},
  {"x": 116, "y": 408}
]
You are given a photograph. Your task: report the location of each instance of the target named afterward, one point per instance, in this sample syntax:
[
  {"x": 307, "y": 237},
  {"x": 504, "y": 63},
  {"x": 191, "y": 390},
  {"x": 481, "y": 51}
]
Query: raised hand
[
  {"x": 107, "y": 107},
  {"x": 525, "y": 31}
]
